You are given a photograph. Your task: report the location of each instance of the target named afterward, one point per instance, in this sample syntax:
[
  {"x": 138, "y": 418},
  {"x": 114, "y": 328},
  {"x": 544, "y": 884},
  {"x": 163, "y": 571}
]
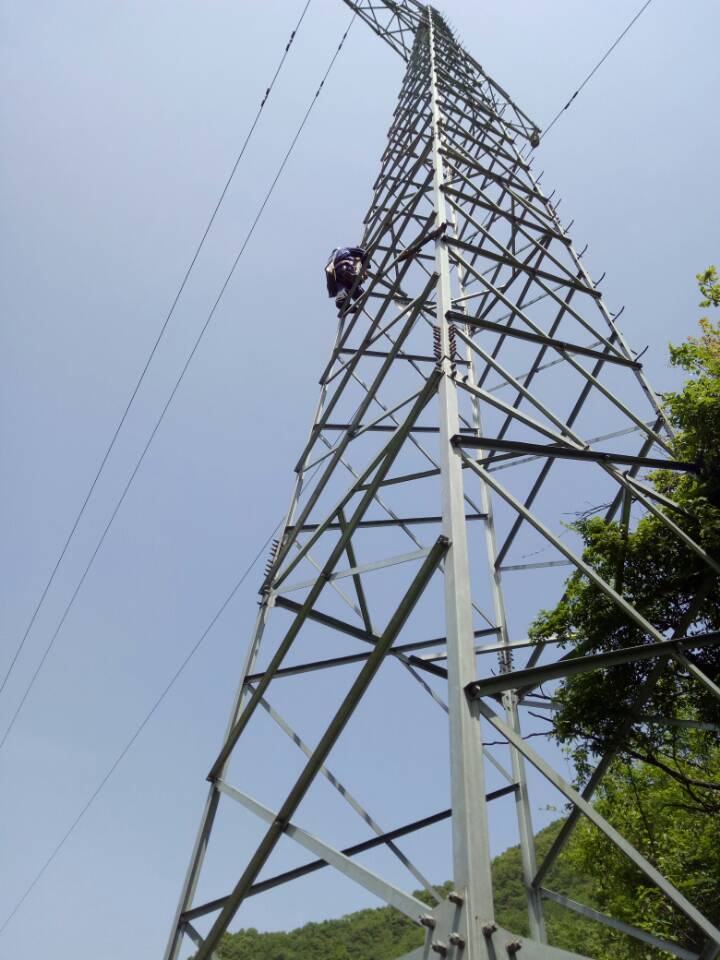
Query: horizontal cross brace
[
  {"x": 263, "y": 885},
  {"x": 571, "y": 453},
  {"x": 343, "y": 627},
  {"x": 597, "y": 661},
  {"x": 352, "y": 571},
  {"x": 504, "y": 330},
  {"x": 392, "y": 895},
  {"x": 401, "y": 356},
  {"x": 395, "y": 522},
  {"x": 313, "y": 665},
  {"x": 535, "y": 566},
  {"x": 523, "y": 267},
  {"x": 380, "y": 428}
]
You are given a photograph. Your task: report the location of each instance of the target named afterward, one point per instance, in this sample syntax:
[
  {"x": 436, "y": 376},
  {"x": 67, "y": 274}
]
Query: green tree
[
  {"x": 650, "y": 809},
  {"x": 642, "y": 709},
  {"x": 663, "y": 790}
]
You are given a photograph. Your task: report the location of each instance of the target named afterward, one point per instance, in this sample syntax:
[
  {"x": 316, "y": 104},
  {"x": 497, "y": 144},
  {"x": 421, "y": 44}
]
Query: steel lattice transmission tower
[{"x": 449, "y": 441}]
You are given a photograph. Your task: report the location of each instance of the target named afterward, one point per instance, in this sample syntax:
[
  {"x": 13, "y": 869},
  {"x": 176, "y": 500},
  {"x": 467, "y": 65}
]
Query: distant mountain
[{"x": 385, "y": 934}]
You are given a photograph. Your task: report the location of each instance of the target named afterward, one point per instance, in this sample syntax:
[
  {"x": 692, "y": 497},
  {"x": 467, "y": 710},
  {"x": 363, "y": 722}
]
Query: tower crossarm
[{"x": 397, "y": 23}]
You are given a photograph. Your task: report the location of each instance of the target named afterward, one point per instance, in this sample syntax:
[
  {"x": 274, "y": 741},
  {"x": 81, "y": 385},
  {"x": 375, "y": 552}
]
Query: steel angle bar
[
  {"x": 397, "y": 652},
  {"x": 657, "y": 496},
  {"x": 454, "y": 157},
  {"x": 609, "y": 320},
  {"x": 393, "y": 522},
  {"x": 457, "y": 197},
  {"x": 506, "y": 258},
  {"x": 541, "y": 246},
  {"x": 645, "y": 448},
  {"x": 389, "y": 455},
  {"x": 523, "y": 391},
  {"x": 268, "y": 593},
  {"x": 207, "y": 820},
  {"x": 380, "y": 840},
  {"x": 414, "y": 441},
  {"x": 534, "y": 566},
  {"x": 517, "y": 311},
  {"x": 364, "y": 568},
  {"x": 510, "y": 645},
  {"x": 547, "y": 290},
  {"x": 357, "y": 432},
  {"x": 404, "y": 13},
  {"x": 327, "y": 741},
  {"x": 660, "y": 944},
  {"x": 466, "y": 439},
  {"x": 672, "y": 894},
  {"x": 465, "y": 139},
  {"x": 696, "y": 672},
  {"x": 348, "y": 797},
  {"x": 585, "y": 568},
  {"x": 366, "y": 427},
  {"x": 407, "y": 478},
  {"x": 387, "y": 413},
  {"x": 711, "y": 951},
  {"x": 524, "y": 302},
  {"x": 383, "y": 506},
  {"x": 191, "y": 932},
  {"x": 548, "y": 464},
  {"x": 568, "y": 667},
  {"x": 357, "y": 579},
  {"x": 418, "y": 357},
  {"x": 470, "y": 839},
  {"x": 693, "y": 545},
  {"x": 561, "y": 346},
  {"x": 528, "y": 702},
  {"x": 371, "y": 881},
  {"x": 331, "y": 662},
  {"x": 681, "y": 724},
  {"x": 358, "y": 486},
  {"x": 426, "y": 234},
  {"x": 571, "y": 453},
  {"x": 392, "y": 446},
  {"x": 333, "y": 622},
  {"x": 603, "y": 765}
]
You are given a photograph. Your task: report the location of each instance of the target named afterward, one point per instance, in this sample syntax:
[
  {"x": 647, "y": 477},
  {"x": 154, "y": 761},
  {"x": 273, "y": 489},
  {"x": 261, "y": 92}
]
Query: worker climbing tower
[{"x": 385, "y": 698}]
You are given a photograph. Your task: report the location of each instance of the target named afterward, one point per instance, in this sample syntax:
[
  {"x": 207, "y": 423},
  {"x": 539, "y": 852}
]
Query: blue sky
[{"x": 120, "y": 123}]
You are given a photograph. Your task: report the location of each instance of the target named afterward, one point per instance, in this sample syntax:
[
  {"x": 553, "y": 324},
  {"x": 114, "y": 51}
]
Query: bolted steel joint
[
  {"x": 488, "y": 929},
  {"x": 437, "y": 946},
  {"x": 513, "y": 947},
  {"x": 457, "y": 941},
  {"x": 427, "y": 920},
  {"x": 456, "y": 898}
]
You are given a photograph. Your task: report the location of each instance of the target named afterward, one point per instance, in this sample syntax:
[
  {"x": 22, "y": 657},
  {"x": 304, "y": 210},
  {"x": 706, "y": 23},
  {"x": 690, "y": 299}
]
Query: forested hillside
[{"x": 384, "y": 934}]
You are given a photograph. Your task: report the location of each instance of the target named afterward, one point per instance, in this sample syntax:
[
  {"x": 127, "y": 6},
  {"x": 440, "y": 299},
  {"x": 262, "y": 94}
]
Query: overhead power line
[
  {"x": 148, "y": 716},
  {"x": 139, "y": 729},
  {"x": 174, "y": 390},
  {"x": 595, "y": 69},
  {"x": 152, "y": 353}
]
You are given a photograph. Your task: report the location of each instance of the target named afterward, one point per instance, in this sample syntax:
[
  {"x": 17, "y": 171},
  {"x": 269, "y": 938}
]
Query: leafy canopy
[{"x": 640, "y": 709}]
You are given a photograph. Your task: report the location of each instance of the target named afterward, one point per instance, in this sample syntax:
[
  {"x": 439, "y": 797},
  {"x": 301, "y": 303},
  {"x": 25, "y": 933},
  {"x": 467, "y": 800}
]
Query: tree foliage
[
  {"x": 640, "y": 709},
  {"x": 650, "y": 809},
  {"x": 384, "y": 934}
]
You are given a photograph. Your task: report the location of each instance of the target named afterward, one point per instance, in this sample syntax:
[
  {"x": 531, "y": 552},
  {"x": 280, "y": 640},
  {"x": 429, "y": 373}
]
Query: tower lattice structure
[{"x": 451, "y": 437}]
